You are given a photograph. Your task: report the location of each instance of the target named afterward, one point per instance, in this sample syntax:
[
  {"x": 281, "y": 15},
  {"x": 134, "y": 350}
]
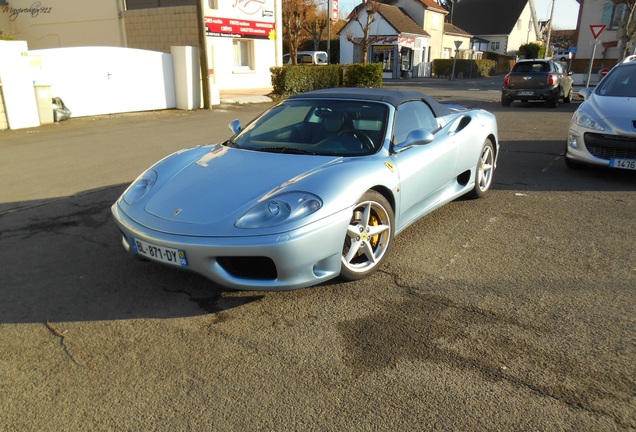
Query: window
[
  {"x": 384, "y": 55},
  {"x": 213, "y": 4},
  {"x": 613, "y": 14},
  {"x": 494, "y": 46},
  {"x": 411, "y": 116},
  {"x": 243, "y": 53}
]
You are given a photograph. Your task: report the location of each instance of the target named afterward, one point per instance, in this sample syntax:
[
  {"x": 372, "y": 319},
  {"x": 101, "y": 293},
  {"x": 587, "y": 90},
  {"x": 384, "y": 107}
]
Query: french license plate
[
  {"x": 525, "y": 93},
  {"x": 629, "y": 164},
  {"x": 176, "y": 257}
]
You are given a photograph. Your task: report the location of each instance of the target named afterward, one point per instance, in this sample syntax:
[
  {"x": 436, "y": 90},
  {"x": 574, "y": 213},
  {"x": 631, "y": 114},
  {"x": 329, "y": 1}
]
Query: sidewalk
[{"x": 243, "y": 96}]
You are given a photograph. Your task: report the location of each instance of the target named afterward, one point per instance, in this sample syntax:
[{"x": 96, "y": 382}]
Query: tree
[
  {"x": 316, "y": 25},
  {"x": 626, "y": 33},
  {"x": 363, "y": 15},
  {"x": 295, "y": 15},
  {"x": 448, "y": 5}
]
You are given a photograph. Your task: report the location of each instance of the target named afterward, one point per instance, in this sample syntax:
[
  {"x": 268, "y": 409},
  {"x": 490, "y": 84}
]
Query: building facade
[{"x": 242, "y": 39}]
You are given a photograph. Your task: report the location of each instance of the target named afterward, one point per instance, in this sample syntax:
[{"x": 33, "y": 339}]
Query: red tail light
[
  {"x": 551, "y": 79},
  {"x": 507, "y": 80}
]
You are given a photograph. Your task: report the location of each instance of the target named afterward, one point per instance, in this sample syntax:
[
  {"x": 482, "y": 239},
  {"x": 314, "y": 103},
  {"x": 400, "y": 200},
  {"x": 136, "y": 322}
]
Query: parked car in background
[
  {"x": 315, "y": 188},
  {"x": 561, "y": 55},
  {"x": 603, "y": 128},
  {"x": 537, "y": 80},
  {"x": 308, "y": 58}
]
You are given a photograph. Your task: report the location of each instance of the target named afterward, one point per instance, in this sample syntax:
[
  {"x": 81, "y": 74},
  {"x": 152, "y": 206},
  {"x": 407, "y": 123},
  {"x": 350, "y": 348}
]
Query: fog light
[{"x": 572, "y": 141}]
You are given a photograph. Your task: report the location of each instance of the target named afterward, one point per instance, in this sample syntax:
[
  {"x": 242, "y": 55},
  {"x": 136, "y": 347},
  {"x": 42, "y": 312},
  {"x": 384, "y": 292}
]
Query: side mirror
[
  {"x": 415, "y": 138},
  {"x": 235, "y": 126}
]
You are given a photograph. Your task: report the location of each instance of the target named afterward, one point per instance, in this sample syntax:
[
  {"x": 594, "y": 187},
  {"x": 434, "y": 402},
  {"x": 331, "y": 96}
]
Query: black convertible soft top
[{"x": 393, "y": 97}]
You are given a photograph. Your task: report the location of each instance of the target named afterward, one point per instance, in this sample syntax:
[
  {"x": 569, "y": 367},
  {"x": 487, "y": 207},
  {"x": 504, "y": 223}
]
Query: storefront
[{"x": 400, "y": 56}]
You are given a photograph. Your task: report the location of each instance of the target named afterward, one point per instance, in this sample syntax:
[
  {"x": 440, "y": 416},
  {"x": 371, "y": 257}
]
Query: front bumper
[
  {"x": 598, "y": 148},
  {"x": 302, "y": 257}
]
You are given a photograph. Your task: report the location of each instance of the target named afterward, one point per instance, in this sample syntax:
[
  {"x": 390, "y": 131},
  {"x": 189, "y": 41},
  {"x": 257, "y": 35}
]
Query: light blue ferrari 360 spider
[{"x": 315, "y": 188}]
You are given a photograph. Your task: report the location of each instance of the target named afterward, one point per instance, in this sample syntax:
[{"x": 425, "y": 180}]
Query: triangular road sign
[{"x": 597, "y": 29}]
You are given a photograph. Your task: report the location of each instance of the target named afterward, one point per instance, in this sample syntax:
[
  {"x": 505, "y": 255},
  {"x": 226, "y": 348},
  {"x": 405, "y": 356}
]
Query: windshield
[
  {"x": 619, "y": 82},
  {"x": 318, "y": 127},
  {"x": 321, "y": 57}
]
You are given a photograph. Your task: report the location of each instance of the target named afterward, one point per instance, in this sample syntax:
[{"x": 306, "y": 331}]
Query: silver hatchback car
[{"x": 603, "y": 128}]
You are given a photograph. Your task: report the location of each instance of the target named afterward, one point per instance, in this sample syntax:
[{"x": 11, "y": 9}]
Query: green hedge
[
  {"x": 290, "y": 80},
  {"x": 363, "y": 75},
  {"x": 468, "y": 68}
]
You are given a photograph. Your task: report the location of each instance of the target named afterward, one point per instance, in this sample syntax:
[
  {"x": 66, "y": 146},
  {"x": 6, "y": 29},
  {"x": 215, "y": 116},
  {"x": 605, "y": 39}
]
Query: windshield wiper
[
  {"x": 288, "y": 150},
  {"x": 231, "y": 143}
]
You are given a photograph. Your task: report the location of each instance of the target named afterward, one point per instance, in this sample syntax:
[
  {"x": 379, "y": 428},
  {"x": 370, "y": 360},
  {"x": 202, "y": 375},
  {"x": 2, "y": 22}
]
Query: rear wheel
[
  {"x": 369, "y": 237},
  {"x": 505, "y": 101},
  {"x": 484, "y": 170},
  {"x": 554, "y": 102}
]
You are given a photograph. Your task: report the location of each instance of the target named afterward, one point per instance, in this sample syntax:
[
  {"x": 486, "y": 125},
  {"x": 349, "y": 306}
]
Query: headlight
[
  {"x": 140, "y": 187},
  {"x": 585, "y": 120},
  {"x": 280, "y": 209}
]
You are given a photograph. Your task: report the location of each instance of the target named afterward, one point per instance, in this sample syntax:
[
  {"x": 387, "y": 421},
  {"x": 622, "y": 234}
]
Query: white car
[
  {"x": 561, "y": 55},
  {"x": 308, "y": 58},
  {"x": 603, "y": 128}
]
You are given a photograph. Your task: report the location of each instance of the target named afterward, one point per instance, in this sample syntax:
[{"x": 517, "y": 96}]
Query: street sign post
[
  {"x": 457, "y": 43},
  {"x": 596, "y": 29}
]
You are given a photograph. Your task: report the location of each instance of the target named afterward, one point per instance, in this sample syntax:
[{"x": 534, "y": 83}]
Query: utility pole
[
  {"x": 547, "y": 42},
  {"x": 203, "y": 56}
]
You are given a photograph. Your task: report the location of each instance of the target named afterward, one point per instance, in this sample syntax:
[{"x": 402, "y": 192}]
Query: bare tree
[
  {"x": 626, "y": 33},
  {"x": 364, "y": 16},
  {"x": 448, "y": 5},
  {"x": 316, "y": 26},
  {"x": 295, "y": 15}
]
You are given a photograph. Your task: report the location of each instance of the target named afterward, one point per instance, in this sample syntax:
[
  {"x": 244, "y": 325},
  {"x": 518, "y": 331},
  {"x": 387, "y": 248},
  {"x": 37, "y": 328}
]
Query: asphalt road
[{"x": 514, "y": 312}]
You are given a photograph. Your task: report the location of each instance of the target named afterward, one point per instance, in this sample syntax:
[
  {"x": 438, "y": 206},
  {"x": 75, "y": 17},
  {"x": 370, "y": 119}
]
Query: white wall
[
  {"x": 227, "y": 77},
  {"x": 106, "y": 80},
  {"x": 17, "y": 85}
]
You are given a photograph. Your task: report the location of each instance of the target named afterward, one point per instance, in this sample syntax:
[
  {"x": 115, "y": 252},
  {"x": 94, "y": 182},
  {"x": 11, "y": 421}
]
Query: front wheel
[
  {"x": 484, "y": 170},
  {"x": 369, "y": 237}
]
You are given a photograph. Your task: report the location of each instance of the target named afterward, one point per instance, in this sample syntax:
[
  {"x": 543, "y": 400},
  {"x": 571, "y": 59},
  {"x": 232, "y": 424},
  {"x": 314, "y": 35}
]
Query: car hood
[
  {"x": 224, "y": 184},
  {"x": 617, "y": 112}
]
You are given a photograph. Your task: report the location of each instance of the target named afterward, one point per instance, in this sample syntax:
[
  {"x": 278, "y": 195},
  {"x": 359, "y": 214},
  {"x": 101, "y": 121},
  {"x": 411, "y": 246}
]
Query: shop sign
[{"x": 228, "y": 27}]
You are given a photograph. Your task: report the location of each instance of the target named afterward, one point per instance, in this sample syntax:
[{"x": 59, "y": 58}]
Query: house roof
[
  {"x": 395, "y": 17},
  {"x": 432, "y": 4},
  {"x": 488, "y": 17},
  {"x": 399, "y": 20},
  {"x": 454, "y": 30}
]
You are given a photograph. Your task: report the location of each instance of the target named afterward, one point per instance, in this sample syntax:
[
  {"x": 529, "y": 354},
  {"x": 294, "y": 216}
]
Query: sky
[{"x": 566, "y": 12}]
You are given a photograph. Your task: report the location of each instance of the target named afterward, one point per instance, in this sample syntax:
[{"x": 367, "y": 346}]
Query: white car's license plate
[
  {"x": 525, "y": 93},
  {"x": 166, "y": 255},
  {"x": 629, "y": 164}
]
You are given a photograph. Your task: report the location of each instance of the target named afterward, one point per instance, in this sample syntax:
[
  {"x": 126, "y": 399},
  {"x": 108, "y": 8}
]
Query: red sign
[
  {"x": 597, "y": 29},
  {"x": 237, "y": 28},
  {"x": 604, "y": 72},
  {"x": 334, "y": 10}
]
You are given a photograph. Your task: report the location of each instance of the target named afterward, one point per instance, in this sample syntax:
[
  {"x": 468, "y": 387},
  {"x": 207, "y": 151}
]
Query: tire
[
  {"x": 484, "y": 170},
  {"x": 505, "y": 101},
  {"x": 554, "y": 102},
  {"x": 568, "y": 97},
  {"x": 369, "y": 237}
]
